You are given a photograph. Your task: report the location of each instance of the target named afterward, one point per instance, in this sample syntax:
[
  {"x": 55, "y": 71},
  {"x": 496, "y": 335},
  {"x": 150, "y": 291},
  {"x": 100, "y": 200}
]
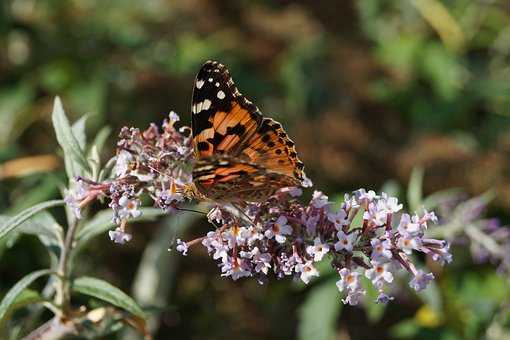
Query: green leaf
[
  {"x": 102, "y": 222},
  {"x": 105, "y": 291},
  {"x": 14, "y": 293},
  {"x": 73, "y": 153},
  {"x": 17, "y": 220},
  {"x": 414, "y": 190},
  {"x": 78, "y": 130},
  {"x": 27, "y": 297},
  {"x": 319, "y": 312},
  {"x": 43, "y": 226}
]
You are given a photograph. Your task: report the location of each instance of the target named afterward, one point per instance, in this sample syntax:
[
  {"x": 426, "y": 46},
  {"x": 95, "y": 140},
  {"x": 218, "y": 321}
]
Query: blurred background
[{"x": 367, "y": 89}]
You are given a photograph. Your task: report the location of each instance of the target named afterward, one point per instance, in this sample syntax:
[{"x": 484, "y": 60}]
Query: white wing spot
[
  {"x": 200, "y": 83},
  {"x": 202, "y": 106},
  {"x": 206, "y": 104},
  {"x": 220, "y": 94},
  {"x": 210, "y": 80},
  {"x": 217, "y": 84}
]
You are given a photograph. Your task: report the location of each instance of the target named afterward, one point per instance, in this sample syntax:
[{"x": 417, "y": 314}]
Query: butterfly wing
[
  {"x": 222, "y": 119},
  {"x": 254, "y": 151}
]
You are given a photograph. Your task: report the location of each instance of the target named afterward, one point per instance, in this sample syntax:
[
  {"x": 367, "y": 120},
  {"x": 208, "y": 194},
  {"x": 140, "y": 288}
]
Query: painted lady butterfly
[{"x": 241, "y": 155}]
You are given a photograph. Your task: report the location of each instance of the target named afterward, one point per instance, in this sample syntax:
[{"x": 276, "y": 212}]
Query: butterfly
[{"x": 240, "y": 154}]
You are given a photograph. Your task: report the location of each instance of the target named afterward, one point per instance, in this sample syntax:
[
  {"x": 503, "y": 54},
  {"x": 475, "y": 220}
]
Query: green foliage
[
  {"x": 72, "y": 144},
  {"x": 102, "y": 290},
  {"x": 15, "y": 221},
  {"x": 14, "y": 293},
  {"x": 319, "y": 312}
]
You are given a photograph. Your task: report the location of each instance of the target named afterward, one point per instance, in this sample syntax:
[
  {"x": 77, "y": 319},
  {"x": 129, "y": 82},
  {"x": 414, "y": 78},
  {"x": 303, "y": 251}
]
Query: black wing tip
[{"x": 211, "y": 65}]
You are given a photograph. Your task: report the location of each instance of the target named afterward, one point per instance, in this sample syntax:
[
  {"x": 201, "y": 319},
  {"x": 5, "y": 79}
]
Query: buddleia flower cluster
[{"x": 365, "y": 235}]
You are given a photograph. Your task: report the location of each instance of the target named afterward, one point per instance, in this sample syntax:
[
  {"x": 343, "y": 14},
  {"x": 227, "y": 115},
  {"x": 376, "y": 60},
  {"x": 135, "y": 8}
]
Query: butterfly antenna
[{"x": 191, "y": 210}]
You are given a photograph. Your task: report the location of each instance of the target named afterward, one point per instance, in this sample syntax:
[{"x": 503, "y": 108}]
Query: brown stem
[{"x": 54, "y": 329}]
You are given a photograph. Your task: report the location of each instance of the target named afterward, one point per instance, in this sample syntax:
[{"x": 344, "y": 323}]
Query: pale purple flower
[
  {"x": 346, "y": 241},
  {"x": 389, "y": 204},
  {"x": 129, "y": 208},
  {"x": 119, "y": 235},
  {"x": 220, "y": 251},
  {"x": 252, "y": 234},
  {"x": 339, "y": 218},
  {"x": 381, "y": 248},
  {"x": 319, "y": 200},
  {"x": 318, "y": 250},
  {"x": 307, "y": 270},
  {"x": 350, "y": 283},
  {"x": 75, "y": 196},
  {"x": 279, "y": 229},
  {"x": 379, "y": 273},
  {"x": 174, "y": 117},
  {"x": 407, "y": 243},
  {"x": 182, "y": 247},
  {"x": 354, "y": 297},
  {"x": 310, "y": 223},
  {"x": 349, "y": 280},
  {"x": 123, "y": 163},
  {"x": 408, "y": 226},
  {"x": 421, "y": 280},
  {"x": 235, "y": 268},
  {"x": 349, "y": 203},
  {"x": 262, "y": 261},
  {"x": 363, "y": 196},
  {"x": 383, "y": 298}
]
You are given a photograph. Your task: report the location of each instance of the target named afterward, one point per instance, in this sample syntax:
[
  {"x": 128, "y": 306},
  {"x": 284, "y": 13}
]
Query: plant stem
[
  {"x": 63, "y": 292},
  {"x": 55, "y": 328}
]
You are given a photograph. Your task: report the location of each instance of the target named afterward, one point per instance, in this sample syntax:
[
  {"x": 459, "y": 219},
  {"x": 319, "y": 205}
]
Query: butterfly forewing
[{"x": 222, "y": 119}]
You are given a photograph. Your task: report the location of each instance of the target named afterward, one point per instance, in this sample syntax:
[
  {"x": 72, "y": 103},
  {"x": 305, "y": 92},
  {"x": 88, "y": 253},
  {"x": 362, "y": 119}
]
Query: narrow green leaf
[
  {"x": 11, "y": 296},
  {"x": 319, "y": 312},
  {"x": 18, "y": 219},
  {"x": 44, "y": 227},
  {"x": 105, "y": 291},
  {"x": 414, "y": 190},
  {"x": 78, "y": 129},
  {"x": 102, "y": 222},
  {"x": 27, "y": 297},
  {"x": 73, "y": 153}
]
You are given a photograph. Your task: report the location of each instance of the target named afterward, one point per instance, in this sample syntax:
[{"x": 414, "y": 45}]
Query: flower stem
[{"x": 62, "y": 297}]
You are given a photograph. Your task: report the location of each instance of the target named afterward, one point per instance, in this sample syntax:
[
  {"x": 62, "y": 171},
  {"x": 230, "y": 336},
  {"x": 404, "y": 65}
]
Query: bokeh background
[{"x": 368, "y": 90}]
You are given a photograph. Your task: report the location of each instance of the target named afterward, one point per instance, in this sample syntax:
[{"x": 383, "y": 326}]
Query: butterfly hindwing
[
  {"x": 271, "y": 147},
  {"x": 224, "y": 178}
]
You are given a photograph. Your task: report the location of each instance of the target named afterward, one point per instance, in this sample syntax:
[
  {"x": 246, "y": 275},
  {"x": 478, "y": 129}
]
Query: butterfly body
[{"x": 241, "y": 155}]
